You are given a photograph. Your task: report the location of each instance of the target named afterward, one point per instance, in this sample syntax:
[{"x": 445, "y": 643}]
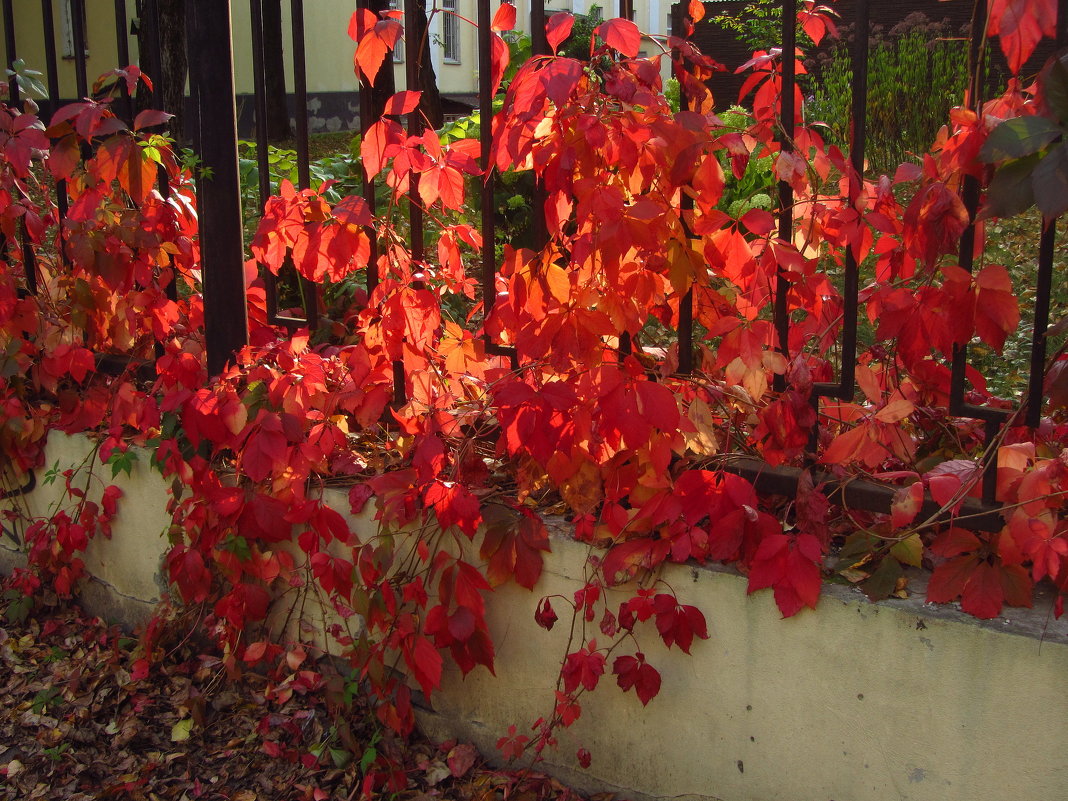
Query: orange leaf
[
  {"x": 504, "y": 19},
  {"x": 622, "y": 35}
]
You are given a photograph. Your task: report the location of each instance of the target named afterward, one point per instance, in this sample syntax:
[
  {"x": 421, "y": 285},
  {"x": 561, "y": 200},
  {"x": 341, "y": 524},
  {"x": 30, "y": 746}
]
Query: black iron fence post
[{"x": 211, "y": 82}]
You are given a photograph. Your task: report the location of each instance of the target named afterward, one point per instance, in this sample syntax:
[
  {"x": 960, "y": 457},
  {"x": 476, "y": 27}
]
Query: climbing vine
[{"x": 449, "y": 475}]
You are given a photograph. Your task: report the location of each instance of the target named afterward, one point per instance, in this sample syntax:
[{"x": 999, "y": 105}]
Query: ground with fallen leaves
[{"x": 76, "y": 725}]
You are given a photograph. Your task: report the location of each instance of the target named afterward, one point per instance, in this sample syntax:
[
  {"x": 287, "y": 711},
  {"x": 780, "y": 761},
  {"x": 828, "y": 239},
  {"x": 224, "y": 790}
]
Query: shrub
[{"x": 917, "y": 72}]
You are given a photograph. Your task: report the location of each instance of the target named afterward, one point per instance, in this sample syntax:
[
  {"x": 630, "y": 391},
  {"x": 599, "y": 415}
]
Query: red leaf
[
  {"x": 461, "y": 759},
  {"x": 500, "y": 56},
  {"x": 1020, "y": 25},
  {"x": 584, "y": 757},
  {"x": 633, "y": 671},
  {"x": 983, "y": 595},
  {"x": 906, "y": 505},
  {"x": 454, "y": 505},
  {"x": 791, "y": 567},
  {"x": 678, "y": 623},
  {"x": 696, "y": 10},
  {"x": 403, "y": 103},
  {"x": 513, "y": 548},
  {"x": 504, "y": 19},
  {"x": 558, "y": 28},
  {"x": 949, "y": 578},
  {"x": 150, "y": 117},
  {"x": 585, "y": 667},
  {"x": 545, "y": 616},
  {"x": 374, "y": 44},
  {"x": 622, "y": 35},
  {"x": 424, "y": 661}
]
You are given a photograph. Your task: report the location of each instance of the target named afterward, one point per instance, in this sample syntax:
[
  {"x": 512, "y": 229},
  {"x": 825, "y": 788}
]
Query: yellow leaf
[
  {"x": 703, "y": 441},
  {"x": 908, "y": 551},
  {"x": 180, "y": 730}
]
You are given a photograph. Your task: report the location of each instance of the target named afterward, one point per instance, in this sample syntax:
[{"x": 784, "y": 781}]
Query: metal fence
[{"x": 210, "y": 41}]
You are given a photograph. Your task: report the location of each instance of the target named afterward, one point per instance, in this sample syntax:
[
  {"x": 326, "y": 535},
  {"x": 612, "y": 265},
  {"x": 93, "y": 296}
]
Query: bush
[{"x": 917, "y": 72}]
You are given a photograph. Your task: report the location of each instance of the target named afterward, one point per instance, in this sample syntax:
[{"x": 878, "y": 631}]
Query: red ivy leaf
[
  {"x": 513, "y": 548},
  {"x": 545, "y": 616},
  {"x": 403, "y": 103},
  {"x": 622, "y": 35},
  {"x": 678, "y": 623},
  {"x": 585, "y": 667},
  {"x": 558, "y": 28},
  {"x": 454, "y": 505},
  {"x": 1020, "y": 25},
  {"x": 499, "y": 59},
  {"x": 373, "y": 44},
  {"x": 633, "y": 671},
  {"x": 792, "y": 567},
  {"x": 504, "y": 19}
]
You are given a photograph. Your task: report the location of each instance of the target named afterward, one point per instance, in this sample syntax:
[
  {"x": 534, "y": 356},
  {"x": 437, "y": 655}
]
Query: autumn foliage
[{"x": 468, "y": 455}]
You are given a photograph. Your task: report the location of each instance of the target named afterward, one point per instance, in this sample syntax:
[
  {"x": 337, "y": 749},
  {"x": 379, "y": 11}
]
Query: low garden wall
[{"x": 853, "y": 702}]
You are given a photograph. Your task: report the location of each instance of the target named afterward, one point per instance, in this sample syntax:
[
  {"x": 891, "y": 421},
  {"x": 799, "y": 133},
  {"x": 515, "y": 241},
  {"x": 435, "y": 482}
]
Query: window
[
  {"x": 67, "y": 27},
  {"x": 398, "y": 48},
  {"x": 450, "y": 32}
]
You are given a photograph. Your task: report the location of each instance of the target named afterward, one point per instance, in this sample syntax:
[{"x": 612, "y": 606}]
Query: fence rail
[{"x": 211, "y": 81}]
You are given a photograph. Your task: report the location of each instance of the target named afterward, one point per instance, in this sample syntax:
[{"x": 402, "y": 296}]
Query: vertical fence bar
[
  {"x": 309, "y": 290},
  {"x": 9, "y": 51},
  {"x": 489, "y": 178},
  {"x": 51, "y": 61},
  {"x": 858, "y": 128},
  {"x": 786, "y": 192},
  {"x": 122, "y": 50},
  {"x": 417, "y": 49},
  {"x": 263, "y": 165},
  {"x": 626, "y": 346},
  {"x": 539, "y": 46},
  {"x": 685, "y": 331},
  {"x": 367, "y": 119},
  {"x": 487, "y": 221},
  {"x": 992, "y": 418},
  {"x": 1044, "y": 281},
  {"x": 77, "y": 24},
  {"x": 52, "y": 77},
  {"x": 211, "y": 78},
  {"x": 259, "y": 89},
  {"x": 150, "y": 58},
  {"x": 300, "y": 92}
]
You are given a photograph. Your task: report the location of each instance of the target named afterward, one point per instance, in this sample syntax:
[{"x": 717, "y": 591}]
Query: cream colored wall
[
  {"x": 100, "y": 37},
  {"x": 854, "y": 701},
  {"x": 328, "y": 48},
  {"x": 126, "y": 566}
]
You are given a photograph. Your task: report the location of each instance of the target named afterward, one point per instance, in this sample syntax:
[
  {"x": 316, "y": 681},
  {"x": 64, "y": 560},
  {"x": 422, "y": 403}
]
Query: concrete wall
[
  {"x": 852, "y": 702},
  {"x": 125, "y": 583}
]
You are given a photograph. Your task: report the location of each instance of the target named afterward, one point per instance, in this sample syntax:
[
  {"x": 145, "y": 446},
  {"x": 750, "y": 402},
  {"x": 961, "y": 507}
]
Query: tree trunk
[
  {"x": 161, "y": 42},
  {"x": 430, "y": 102},
  {"x": 274, "y": 76}
]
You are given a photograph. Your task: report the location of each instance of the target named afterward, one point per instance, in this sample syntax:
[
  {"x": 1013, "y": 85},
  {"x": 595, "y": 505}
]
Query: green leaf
[
  {"x": 883, "y": 581},
  {"x": 121, "y": 461},
  {"x": 1050, "y": 182},
  {"x": 238, "y": 546},
  {"x": 1054, "y": 82},
  {"x": 856, "y": 547},
  {"x": 1019, "y": 137},
  {"x": 180, "y": 730},
  {"x": 1011, "y": 192},
  {"x": 908, "y": 551}
]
